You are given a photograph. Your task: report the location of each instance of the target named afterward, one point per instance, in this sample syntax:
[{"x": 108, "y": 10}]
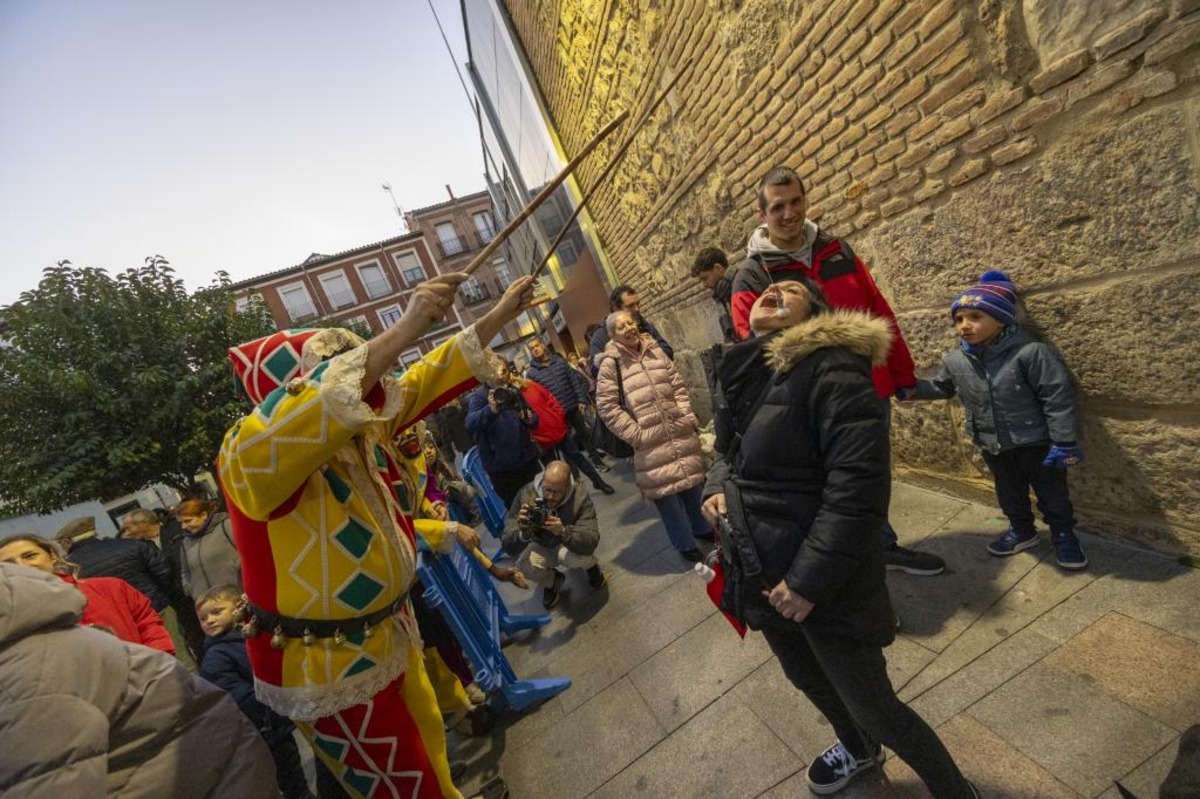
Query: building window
[
  {"x": 389, "y": 316},
  {"x": 484, "y": 227},
  {"x": 503, "y": 275},
  {"x": 337, "y": 289},
  {"x": 409, "y": 357},
  {"x": 374, "y": 280},
  {"x": 567, "y": 254},
  {"x": 296, "y": 300},
  {"x": 448, "y": 239},
  {"x": 243, "y": 302},
  {"x": 410, "y": 268},
  {"x": 473, "y": 291}
]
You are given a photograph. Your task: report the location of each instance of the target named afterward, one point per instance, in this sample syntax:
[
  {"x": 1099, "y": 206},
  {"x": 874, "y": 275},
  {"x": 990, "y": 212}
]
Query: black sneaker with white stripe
[{"x": 834, "y": 769}]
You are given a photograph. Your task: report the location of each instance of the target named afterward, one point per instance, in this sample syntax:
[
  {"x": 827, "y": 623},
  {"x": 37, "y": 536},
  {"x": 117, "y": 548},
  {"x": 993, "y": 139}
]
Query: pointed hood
[
  {"x": 265, "y": 364},
  {"x": 861, "y": 333}
]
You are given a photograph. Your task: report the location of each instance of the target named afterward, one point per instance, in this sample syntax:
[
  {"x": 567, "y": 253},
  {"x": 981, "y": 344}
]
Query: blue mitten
[
  {"x": 1063, "y": 455},
  {"x": 902, "y": 394}
]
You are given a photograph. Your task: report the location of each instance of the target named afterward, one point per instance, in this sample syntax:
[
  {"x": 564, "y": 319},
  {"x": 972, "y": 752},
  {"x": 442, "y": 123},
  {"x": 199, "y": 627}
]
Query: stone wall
[{"x": 1058, "y": 141}]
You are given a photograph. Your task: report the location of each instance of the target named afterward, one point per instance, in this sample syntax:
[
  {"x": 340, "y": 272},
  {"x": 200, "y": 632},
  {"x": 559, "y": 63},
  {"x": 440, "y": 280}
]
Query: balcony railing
[
  {"x": 452, "y": 246},
  {"x": 476, "y": 296},
  {"x": 301, "y": 311},
  {"x": 342, "y": 299},
  {"x": 377, "y": 289}
]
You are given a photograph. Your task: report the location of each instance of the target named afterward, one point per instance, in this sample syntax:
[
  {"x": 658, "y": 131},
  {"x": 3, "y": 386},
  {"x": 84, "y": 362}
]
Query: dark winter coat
[
  {"x": 227, "y": 665},
  {"x": 210, "y": 557},
  {"x": 722, "y": 295},
  {"x": 1016, "y": 392},
  {"x": 581, "y": 528},
  {"x": 503, "y": 439},
  {"x": 137, "y": 562},
  {"x": 813, "y": 471},
  {"x": 562, "y": 380}
]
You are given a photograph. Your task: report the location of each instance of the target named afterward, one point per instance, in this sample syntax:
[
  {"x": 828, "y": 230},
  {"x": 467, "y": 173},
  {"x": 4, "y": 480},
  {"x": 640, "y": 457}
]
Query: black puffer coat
[
  {"x": 137, "y": 562},
  {"x": 813, "y": 471}
]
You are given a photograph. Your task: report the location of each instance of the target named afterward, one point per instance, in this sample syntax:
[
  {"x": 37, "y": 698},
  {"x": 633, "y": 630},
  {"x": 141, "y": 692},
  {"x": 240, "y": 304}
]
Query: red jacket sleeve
[
  {"x": 149, "y": 626},
  {"x": 899, "y": 362},
  {"x": 740, "y": 304}
]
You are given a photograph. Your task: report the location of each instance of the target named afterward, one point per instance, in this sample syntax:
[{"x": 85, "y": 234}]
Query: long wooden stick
[
  {"x": 545, "y": 193},
  {"x": 616, "y": 159}
]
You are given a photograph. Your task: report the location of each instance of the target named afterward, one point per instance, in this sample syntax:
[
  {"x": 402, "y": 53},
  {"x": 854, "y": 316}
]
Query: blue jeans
[{"x": 682, "y": 517}]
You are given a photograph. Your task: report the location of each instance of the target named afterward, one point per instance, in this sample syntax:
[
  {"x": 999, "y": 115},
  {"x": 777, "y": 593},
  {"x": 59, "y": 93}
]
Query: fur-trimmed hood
[{"x": 861, "y": 333}]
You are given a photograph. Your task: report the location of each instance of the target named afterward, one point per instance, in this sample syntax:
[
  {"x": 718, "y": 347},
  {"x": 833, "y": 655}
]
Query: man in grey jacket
[{"x": 552, "y": 525}]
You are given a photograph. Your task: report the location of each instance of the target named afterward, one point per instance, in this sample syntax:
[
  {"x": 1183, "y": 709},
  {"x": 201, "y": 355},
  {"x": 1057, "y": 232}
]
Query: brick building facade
[
  {"x": 1058, "y": 141},
  {"x": 373, "y": 284}
]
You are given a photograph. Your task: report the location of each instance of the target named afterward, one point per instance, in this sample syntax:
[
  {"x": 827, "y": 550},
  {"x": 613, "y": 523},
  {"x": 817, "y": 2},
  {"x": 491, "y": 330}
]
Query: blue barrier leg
[{"x": 525, "y": 693}]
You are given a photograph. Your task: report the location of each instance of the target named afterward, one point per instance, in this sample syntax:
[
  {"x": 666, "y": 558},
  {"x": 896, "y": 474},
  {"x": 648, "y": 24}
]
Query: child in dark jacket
[
  {"x": 1020, "y": 412},
  {"x": 226, "y": 665}
]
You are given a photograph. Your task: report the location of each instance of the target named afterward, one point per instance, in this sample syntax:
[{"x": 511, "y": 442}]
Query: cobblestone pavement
[{"x": 1041, "y": 683}]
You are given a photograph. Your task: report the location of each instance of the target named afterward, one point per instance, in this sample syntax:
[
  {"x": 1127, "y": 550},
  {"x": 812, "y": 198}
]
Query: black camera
[
  {"x": 537, "y": 513},
  {"x": 505, "y": 397}
]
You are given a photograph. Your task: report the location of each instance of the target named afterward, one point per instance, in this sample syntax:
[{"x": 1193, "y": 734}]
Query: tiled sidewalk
[{"x": 1041, "y": 683}]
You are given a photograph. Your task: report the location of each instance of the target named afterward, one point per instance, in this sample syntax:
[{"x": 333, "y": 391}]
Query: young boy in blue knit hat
[{"x": 1020, "y": 412}]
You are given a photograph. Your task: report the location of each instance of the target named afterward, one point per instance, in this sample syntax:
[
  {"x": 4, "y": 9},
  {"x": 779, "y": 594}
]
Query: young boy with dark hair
[
  {"x": 226, "y": 665},
  {"x": 1020, "y": 412}
]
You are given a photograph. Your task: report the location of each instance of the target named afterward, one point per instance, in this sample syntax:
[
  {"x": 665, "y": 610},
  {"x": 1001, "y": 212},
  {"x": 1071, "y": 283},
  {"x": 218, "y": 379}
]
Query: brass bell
[
  {"x": 294, "y": 387},
  {"x": 239, "y": 613},
  {"x": 338, "y": 638},
  {"x": 250, "y": 628},
  {"x": 368, "y": 631},
  {"x": 308, "y": 638},
  {"x": 278, "y": 641}
]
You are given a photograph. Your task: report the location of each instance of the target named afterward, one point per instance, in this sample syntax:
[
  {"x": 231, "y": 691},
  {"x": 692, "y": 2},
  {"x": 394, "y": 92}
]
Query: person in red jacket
[
  {"x": 112, "y": 603},
  {"x": 551, "y": 432},
  {"x": 788, "y": 244}
]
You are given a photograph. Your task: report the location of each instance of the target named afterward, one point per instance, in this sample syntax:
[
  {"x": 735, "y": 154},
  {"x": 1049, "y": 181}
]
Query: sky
[{"x": 235, "y": 136}]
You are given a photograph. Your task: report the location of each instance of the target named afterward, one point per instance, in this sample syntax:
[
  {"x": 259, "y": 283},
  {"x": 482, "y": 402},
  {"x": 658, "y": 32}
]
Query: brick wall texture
[{"x": 1057, "y": 141}]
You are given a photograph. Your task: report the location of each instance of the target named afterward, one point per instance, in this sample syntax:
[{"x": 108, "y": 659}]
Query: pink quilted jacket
[{"x": 656, "y": 418}]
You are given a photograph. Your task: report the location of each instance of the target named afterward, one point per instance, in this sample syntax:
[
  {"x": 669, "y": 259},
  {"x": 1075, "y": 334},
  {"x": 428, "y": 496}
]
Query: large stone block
[
  {"x": 1100, "y": 202},
  {"x": 1128, "y": 341},
  {"x": 1057, "y": 29}
]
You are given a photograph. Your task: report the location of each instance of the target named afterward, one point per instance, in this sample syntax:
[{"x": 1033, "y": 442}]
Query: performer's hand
[
  {"x": 714, "y": 507},
  {"x": 507, "y": 575},
  {"x": 467, "y": 537},
  {"x": 440, "y": 512},
  {"x": 433, "y": 298},
  {"x": 788, "y": 603}
]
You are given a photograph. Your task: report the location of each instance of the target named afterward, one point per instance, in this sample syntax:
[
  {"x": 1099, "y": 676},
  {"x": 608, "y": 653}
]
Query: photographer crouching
[{"x": 552, "y": 524}]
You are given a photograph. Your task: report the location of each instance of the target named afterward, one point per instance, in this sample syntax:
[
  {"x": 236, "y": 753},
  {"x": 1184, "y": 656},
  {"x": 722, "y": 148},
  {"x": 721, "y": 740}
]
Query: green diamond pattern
[
  {"x": 339, "y": 487},
  {"x": 362, "y": 664},
  {"x": 354, "y": 537},
  {"x": 281, "y": 363},
  {"x": 363, "y": 784},
  {"x": 315, "y": 374},
  {"x": 335, "y": 749},
  {"x": 380, "y": 458},
  {"x": 359, "y": 592},
  {"x": 268, "y": 404}
]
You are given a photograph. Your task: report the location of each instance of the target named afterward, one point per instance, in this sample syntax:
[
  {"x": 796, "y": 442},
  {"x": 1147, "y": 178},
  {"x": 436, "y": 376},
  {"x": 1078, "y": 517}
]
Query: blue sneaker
[
  {"x": 1067, "y": 552},
  {"x": 1012, "y": 542}
]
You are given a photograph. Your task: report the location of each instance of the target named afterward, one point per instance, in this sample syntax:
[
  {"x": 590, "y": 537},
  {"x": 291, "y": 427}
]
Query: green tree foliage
[
  {"x": 359, "y": 328},
  {"x": 110, "y": 383}
]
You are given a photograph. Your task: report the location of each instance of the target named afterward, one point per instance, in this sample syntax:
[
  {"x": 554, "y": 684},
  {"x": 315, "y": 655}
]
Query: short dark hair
[
  {"x": 777, "y": 176},
  {"x": 616, "y": 299},
  {"x": 707, "y": 259},
  {"x": 218, "y": 592}
]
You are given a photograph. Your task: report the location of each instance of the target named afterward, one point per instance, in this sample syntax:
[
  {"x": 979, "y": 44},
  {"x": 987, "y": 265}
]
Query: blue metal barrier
[
  {"x": 463, "y": 592},
  {"x": 489, "y": 502}
]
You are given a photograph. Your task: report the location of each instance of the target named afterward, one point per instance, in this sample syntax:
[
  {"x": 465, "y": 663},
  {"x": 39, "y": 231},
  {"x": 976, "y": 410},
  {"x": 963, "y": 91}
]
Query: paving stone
[
  {"x": 724, "y": 751},
  {"x": 1155, "y": 590},
  {"x": 916, "y": 513},
  {"x": 786, "y": 711},
  {"x": 694, "y": 670},
  {"x": 1070, "y": 728},
  {"x": 581, "y": 752},
  {"x": 1144, "y": 781},
  {"x": 989, "y": 762},
  {"x": 973, "y": 682},
  {"x": 1143, "y": 666}
]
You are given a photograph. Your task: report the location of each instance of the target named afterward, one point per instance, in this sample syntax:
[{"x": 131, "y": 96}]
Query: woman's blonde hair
[{"x": 61, "y": 564}]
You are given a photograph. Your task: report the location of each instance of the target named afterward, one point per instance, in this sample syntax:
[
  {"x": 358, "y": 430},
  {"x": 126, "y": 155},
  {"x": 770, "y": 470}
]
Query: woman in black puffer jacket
[{"x": 802, "y": 473}]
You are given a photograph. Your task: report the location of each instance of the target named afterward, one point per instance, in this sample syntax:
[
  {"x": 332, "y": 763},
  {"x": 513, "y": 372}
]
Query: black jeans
[
  {"x": 289, "y": 774},
  {"x": 583, "y": 433},
  {"x": 509, "y": 484},
  {"x": 847, "y": 681},
  {"x": 568, "y": 450},
  {"x": 1016, "y": 470}
]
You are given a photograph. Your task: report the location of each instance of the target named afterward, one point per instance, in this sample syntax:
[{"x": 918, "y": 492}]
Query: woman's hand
[
  {"x": 788, "y": 603},
  {"x": 715, "y": 507}
]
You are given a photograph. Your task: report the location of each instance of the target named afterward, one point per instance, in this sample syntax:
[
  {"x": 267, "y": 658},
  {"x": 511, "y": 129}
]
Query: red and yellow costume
[{"x": 310, "y": 477}]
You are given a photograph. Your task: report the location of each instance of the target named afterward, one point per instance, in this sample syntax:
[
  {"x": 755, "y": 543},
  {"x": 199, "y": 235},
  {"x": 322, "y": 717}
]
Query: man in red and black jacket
[{"x": 787, "y": 244}]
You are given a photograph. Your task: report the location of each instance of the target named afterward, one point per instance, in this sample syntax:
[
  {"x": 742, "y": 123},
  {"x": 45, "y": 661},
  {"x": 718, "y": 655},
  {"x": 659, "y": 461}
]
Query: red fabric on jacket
[
  {"x": 552, "y": 422},
  {"x": 120, "y": 607}
]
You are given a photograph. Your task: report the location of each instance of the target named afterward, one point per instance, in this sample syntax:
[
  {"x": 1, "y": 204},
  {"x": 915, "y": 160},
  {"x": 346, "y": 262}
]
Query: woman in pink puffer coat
[{"x": 656, "y": 419}]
